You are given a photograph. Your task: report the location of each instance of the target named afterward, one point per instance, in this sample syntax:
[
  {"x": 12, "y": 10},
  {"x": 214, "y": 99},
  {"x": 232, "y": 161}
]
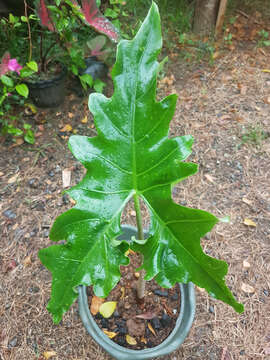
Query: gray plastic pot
[
  {"x": 50, "y": 92},
  {"x": 173, "y": 341}
]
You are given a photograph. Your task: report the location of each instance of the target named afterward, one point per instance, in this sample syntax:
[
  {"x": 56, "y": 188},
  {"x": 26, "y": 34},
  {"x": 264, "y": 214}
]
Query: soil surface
[{"x": 226, "y": 107}]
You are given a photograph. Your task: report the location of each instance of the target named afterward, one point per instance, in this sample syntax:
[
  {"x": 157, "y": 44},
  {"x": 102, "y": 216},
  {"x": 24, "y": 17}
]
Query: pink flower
[
  {"x": 13, "y": 65},
  {"x": 9, "y": 64}
]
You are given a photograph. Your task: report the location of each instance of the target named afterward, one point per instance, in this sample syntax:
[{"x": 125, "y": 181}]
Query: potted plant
[
  {"x": 132, "y": 158},
  {"x": 58, "y": 45}
]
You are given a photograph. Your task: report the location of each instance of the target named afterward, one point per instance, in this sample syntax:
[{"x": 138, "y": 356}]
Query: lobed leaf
[{"x": 131, "y": 156}]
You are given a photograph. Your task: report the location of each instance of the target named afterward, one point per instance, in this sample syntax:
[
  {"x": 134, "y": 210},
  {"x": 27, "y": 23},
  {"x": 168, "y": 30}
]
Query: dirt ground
[{"x": 226, "y": 107}]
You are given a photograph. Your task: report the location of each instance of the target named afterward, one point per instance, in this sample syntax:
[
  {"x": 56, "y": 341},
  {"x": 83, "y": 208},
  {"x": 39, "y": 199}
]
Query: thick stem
[{"x": 141, "y": 281}]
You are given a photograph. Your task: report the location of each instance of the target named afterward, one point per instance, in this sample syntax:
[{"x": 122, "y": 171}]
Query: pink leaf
[
  {"x": 44, "y": 15},
  {"x": 96, "y": 19},
  {"x": 4, "y": 64}
]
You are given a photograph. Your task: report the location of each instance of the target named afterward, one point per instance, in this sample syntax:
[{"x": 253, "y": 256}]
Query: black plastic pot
[
  {"x": 173, "y": 341},
  {"x": 49, "y": 92}
]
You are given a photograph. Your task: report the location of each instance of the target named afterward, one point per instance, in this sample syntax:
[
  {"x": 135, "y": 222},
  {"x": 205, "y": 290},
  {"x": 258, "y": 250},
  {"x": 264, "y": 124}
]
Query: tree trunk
[{"x": 205, "y": 16}]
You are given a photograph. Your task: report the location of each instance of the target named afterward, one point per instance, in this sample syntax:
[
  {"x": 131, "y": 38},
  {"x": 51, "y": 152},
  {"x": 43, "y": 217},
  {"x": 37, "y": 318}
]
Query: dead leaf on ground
[
  {"x": 49, "y": 354},
  {"x": 27, "y": 261},
  {"x": 122, "y": 293},
  {"x": 242, "y": 88},
  {"x": 147, "y": 316},
  {"x": 84, "y": 120},
  {"x": 247, "y": 288},
  {"x": 107, "y": 308},
  {"x": 249, "y": 222},
  {"x": 66, "y": 178},
  {"x": 70, "y": 115},
  {"x": 209, "y": 178},
  {"x": 110, "y": 334},
  {"x": 246, "y": 264},
  {"x": 95, "y": 304},
  {"x": 247, "y": 201},
  {"x": 267, "y": 100},
  {"x": 13, "y": 179},
  {"x": 130, "y": 340},
  {"x": 66, "y": 128},
  {"x": 150, "y": 327}
]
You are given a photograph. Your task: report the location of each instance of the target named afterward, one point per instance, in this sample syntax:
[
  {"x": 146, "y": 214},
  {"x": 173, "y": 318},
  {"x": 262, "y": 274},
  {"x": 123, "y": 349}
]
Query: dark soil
[{"x": 160, "y": 308}]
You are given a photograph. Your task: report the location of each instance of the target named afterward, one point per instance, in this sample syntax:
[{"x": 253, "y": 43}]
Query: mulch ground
[{"x": 226, "y": 107}]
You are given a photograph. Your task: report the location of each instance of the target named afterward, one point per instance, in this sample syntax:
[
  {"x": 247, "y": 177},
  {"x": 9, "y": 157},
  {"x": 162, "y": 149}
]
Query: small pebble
[
  {"x": 9, "y": 214},
  {"x": 165, "y": 320},
  {"x": 122, "y": 330},
  {"x": 33, "y": 183},
  {"x": 116, "y": 314},
  {"x": 121, "y": 340},
  {"x": 13, "y": 342},
  {"x": 65, "y": 199},
  {"x": 211, "y": 309},
  {"x": 104, "y": 323},
  {"x": 242, "y": 352},
  {"x": 266, "y": 292},
  {"x": 98, "y": 316},
  {"x": 155, "y": 323},
  {"x": 161, "y": 292},
  {"x": 51, "y": 173}
]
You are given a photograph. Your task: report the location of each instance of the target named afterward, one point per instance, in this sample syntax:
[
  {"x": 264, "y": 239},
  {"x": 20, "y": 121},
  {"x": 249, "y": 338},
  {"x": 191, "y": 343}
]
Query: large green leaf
[{"x": 131, "y": 156}]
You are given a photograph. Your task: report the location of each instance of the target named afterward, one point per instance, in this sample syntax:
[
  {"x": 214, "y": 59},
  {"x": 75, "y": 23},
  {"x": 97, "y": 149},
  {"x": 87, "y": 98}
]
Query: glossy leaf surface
[{"x": 131, "y": 156}]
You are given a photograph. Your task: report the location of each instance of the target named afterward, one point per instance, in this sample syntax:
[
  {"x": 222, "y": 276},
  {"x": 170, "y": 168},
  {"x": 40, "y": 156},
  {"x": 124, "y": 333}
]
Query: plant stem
[
  {"x": 29, "y": 31},
  {"x": 141, "y": 281}
]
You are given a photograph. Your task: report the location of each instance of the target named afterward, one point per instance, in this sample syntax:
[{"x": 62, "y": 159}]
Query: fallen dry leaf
[
  {"x": 49, "y": 354},
  {"x": 242, "y": 88},
  {"x": 249, "y": 222},
  {"x": 143, "y": 340},
  {"x": 27, "y": 261},
  {"x": 122, "y": 293},
  {"x": 246, "y": 201},
  {"x": 13, "y": 179},
  {"x": 70, "y": 115},
  {"x": 84, "y": 120},
  {"x": 147, "y": 316},
  {"x": 110, "y": 334},
  {"x": 209, "y": 178},
  {"x": 267, "y": 100},
  {"x": 95, "y": 304},
  {"x": 150, "y": 327},
  {"x": 266, "y": 70},
  {"x": 247, "y": 288},
  {"x": 66, "y": 128},
  {"x": 246, "y": 264},
  {"x": 107, "y": 308},
  {"x": 130, "y": 340},
  {"x": 66, "y": 178}
]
